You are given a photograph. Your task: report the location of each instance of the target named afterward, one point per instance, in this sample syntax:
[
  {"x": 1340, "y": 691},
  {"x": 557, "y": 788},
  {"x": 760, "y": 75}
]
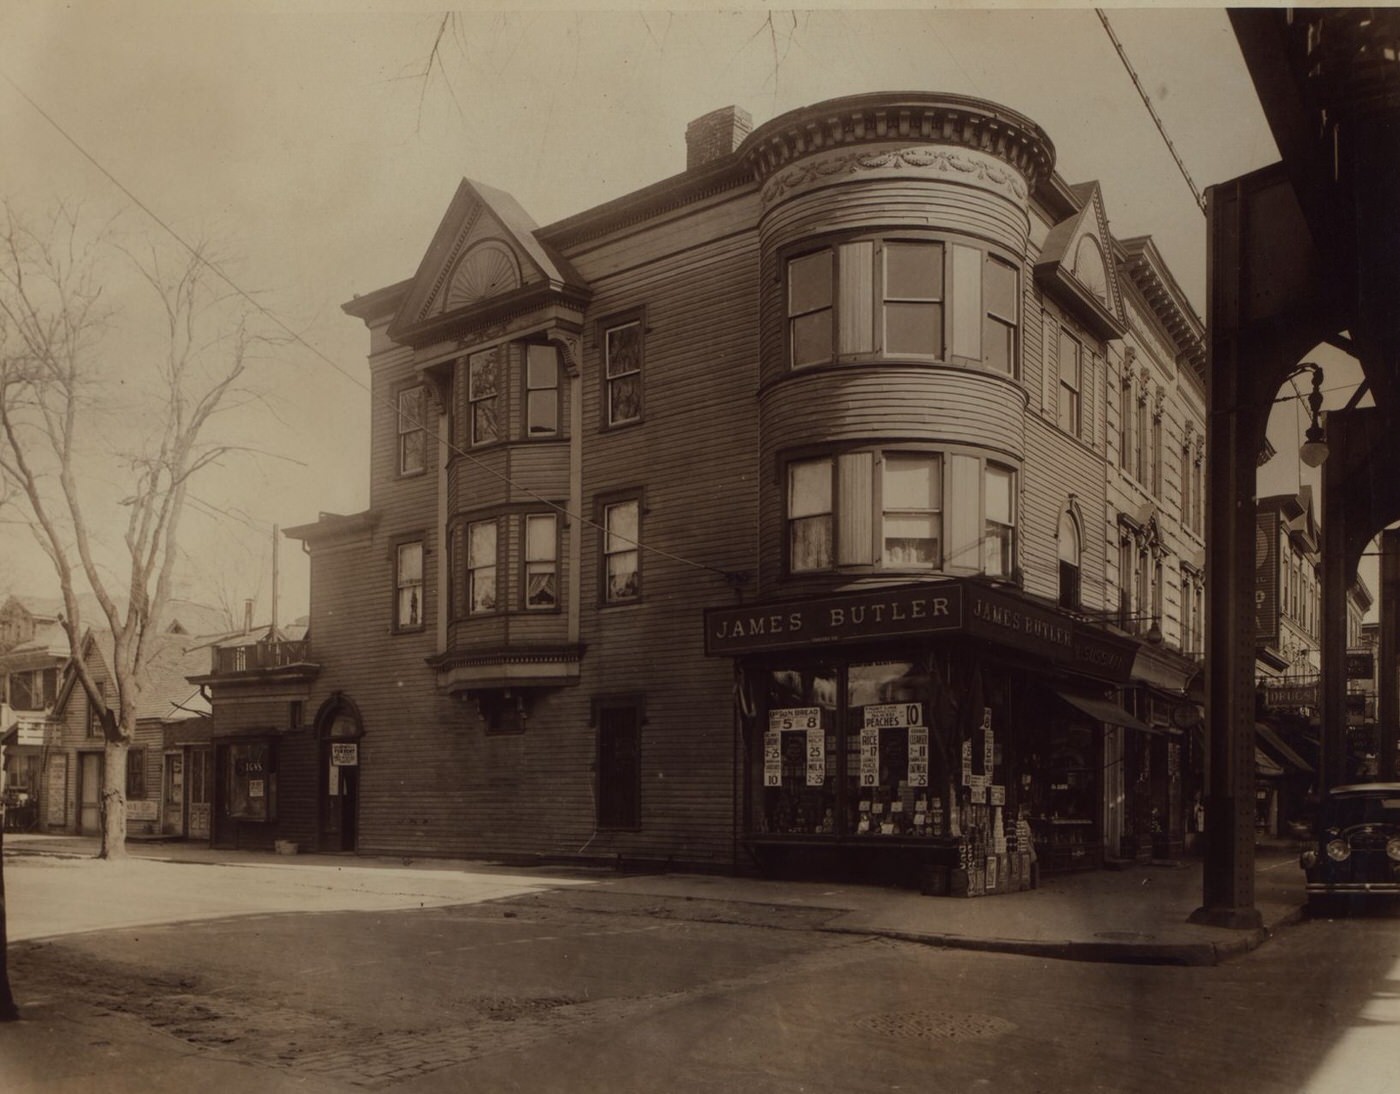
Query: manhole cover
[
  {"x": 936, "y": 1025},
  {"x": 1125, "y": 936}
]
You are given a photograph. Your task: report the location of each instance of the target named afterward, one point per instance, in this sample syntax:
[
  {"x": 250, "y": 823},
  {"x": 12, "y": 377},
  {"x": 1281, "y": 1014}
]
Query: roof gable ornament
[
  {"x": 483, "y": 265},
  {"x": 1074, "y": 266}
]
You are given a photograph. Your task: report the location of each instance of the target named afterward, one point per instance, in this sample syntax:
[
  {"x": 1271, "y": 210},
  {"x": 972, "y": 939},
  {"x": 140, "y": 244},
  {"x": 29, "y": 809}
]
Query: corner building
[{"x": 760, "y": 516}]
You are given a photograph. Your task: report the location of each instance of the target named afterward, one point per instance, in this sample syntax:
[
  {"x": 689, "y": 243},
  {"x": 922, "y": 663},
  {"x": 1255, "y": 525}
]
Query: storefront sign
[
  {"x": 924, "y": 609},
  {"x": 953, "y": 605},
  {"x": 1266, "y": 578},
  {"x": 1361, "y": 666},
  {"x": 1291, "y": 695},
  {"x": 345, "y": 754},
  {"x": 142, "y": 810}
]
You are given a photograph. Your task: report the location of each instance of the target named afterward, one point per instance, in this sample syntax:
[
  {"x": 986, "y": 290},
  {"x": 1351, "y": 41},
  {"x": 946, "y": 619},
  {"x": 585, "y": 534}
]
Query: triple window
[
  {"x": 902, "y": 298},
  {"x": 897, "y": 510}
]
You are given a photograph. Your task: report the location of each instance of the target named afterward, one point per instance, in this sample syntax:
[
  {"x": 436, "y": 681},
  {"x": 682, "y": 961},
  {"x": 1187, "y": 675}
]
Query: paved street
[{"x": 320, "y": 978}]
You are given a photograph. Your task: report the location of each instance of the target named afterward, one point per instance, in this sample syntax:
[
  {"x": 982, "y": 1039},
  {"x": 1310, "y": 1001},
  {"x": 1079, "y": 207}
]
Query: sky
[{"x": 320, "y": 143}]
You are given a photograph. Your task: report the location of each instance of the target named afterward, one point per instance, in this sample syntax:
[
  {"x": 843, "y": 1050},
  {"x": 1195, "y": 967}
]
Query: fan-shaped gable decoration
[
  {"x": 1074, "y": 266},
  {"x": 483, "y": 256}
]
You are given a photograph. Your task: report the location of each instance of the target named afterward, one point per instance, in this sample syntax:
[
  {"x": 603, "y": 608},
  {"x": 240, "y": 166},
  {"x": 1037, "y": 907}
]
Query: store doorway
[
  {"x": 340, "y": 763},
  {"x": 90, "y": 794},
  {"x": 200, "y": 787},
  {"x": 173, "y": 822},
  {"x": 340, "y": 731}
]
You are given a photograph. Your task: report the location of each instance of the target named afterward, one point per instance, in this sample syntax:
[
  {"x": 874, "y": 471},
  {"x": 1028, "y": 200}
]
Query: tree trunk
[
  {"x": 114, "y": 801},
  {"x": 8, "y": 1011}
]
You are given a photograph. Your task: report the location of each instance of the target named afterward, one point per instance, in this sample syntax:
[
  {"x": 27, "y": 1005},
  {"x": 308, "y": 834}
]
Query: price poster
[
  {"x": 967, "y": 763},
  {"x": 918, "y": 755},
  {"x": 772, "y": 759},
  {"x": 794, "y": 718},
  {"x": 869, "y": 757},
  {"x": 816, "y": 757}
]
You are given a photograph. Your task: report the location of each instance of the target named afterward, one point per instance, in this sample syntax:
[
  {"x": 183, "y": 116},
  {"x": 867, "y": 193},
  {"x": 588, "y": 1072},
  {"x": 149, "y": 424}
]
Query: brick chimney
[{"x": 715, "y": 135}]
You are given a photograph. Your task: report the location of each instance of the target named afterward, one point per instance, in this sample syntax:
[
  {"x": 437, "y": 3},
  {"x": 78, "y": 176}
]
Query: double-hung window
[
  {"x": 622, "y": 563},
  {"x": 481, "y": 567},
  {"x": 541, "y": 391},
  {"x": 810, "y": 527},
  {"x": 999, "y": 536},
  {"x": 411, "y": 432},
  {"x": 622, "y": 367},
  {"x": 541, "y": 561},
  {"x": 483, "y": 396},
  {"x": 1071, "y": 362},
  {"x": 810, "y": 308},
  {"x": 913, "y": 298},
  {"x": 912, "y": 498},
  {"x": 999, "y": 327},
  {"x": 408, "y": 583}
]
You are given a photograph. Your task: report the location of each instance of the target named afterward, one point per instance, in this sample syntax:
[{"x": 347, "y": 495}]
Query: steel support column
[
  {"x": 1388, "y": 656},
  {"x": 1234, "y": 435}
]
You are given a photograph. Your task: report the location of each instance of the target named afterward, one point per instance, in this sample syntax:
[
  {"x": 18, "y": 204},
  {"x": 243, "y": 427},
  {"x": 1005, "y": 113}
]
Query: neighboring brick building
[{"x": 770, "y": 513}]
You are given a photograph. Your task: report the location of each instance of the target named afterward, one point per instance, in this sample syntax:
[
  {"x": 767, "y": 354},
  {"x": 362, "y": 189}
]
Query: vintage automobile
[{"x": 1356, "y": 850}]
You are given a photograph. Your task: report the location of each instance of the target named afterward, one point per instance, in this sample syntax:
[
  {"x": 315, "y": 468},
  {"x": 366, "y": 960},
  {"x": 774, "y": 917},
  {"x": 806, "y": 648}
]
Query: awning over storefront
[
  {"x": 1280, "y": 747},
  {"x": 1264, "y": 766},
  {"x": 1101, "y": 710}
]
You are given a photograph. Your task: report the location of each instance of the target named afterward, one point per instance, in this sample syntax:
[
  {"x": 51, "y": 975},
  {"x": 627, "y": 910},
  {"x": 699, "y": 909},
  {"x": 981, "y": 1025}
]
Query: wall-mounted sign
[
  {"x": 1361, "y": 666},
  {"x": 345, "y": 754}
]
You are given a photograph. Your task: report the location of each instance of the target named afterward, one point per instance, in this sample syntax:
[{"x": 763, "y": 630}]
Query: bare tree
[{"x": 101, "y": 412}]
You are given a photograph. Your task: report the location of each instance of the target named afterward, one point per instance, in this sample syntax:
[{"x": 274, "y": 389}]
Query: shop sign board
[
  {"x": 922, "y": 609},
  {"x": 345, "y": 754},
  {"x": 1266, "y": 578},
  {"x": 1361, "y": 666},
  {"x": 952, "y": 605},
  {"x": 893, "y": 715},
  {"x": 1291, "y": 695}
]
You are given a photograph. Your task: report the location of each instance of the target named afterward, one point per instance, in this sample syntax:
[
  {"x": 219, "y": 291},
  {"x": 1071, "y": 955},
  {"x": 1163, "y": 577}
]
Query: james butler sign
[
  {"x": 922, "y": 609},
  {"x": 951, "y": 606}
]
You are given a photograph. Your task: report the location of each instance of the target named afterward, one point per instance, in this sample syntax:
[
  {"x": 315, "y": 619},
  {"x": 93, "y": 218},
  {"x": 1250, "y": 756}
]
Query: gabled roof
[
  {"x": 485, "y": 254},
  {"x": 1076, "y": 264},
  {"x": 167, "y": 696}
]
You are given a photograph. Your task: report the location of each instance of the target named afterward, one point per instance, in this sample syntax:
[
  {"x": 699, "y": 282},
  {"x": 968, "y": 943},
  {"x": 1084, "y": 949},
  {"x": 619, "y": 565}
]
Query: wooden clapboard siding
[
  {"x": 857, "y": 402},
  {"x": 693, "y": 458},
  {"x": 1057, "y": 467},
  {"x": 912, "y": 203}
]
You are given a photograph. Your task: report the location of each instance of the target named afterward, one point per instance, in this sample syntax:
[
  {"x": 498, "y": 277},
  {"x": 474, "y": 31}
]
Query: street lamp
[{"x": 1314, "y": 448}]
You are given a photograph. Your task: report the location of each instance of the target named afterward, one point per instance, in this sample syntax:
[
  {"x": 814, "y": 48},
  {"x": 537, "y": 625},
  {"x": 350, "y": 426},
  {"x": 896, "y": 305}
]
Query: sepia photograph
[{"x": 688, "y": 549}]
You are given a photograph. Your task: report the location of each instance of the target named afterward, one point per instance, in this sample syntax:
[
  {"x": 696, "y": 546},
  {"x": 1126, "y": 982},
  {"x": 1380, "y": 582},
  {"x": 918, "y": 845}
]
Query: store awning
[
  {"x": 1280, "y": 747},
  {"x": 1101, "y": 710},
  {"x": 1264, "y": 766}
]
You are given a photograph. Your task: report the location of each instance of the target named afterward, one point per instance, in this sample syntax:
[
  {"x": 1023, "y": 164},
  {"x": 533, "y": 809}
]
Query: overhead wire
[
  {"x": 297, "y": 337},
  {"x": 1147, "y": 102}
]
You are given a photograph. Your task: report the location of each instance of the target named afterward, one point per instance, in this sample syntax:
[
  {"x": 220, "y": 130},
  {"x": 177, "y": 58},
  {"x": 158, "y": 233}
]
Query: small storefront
[
  {"x": 945, "y": 734},
  {"x": 245, "y": 805}
]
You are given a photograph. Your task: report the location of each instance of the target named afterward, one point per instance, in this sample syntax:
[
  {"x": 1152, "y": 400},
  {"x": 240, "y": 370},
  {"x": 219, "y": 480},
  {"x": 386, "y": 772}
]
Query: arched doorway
[{"x": 339, "y": 730}]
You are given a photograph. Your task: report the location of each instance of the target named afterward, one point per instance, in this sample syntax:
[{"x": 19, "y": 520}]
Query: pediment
[
  {"x": 483, "y": 256},
  {"x": 1076, "y": 265}
]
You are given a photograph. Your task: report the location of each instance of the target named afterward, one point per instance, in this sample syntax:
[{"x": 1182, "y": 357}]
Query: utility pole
[{"x": 276, "y": 535}]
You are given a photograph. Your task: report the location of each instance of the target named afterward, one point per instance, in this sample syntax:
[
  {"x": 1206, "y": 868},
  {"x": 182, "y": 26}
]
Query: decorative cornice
[
  {"x": 883, "y": 117},
  {"x": 920, "y": 159},
  {"x": 508, "y": 655}
]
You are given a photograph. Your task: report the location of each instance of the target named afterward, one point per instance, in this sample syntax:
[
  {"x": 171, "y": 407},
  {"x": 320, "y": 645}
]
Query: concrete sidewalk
[{"x": 1138, "y": 914}]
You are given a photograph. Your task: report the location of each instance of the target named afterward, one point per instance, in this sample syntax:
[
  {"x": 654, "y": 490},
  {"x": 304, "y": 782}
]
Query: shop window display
[
  {"x": 799, "y": 751},
  {"x": 887, "y": 750}
]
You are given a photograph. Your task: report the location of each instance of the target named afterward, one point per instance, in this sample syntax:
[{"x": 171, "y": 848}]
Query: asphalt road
[{"x": 575, "y": 990}]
